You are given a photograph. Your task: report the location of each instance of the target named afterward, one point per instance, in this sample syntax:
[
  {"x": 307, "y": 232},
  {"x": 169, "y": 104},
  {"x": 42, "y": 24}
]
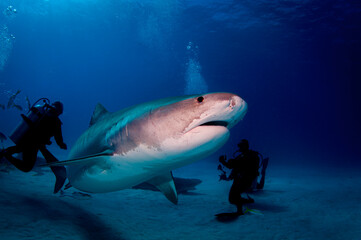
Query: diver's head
[
  {"x": 243, "y": 145},
  {"x": 58, "y": 108}
]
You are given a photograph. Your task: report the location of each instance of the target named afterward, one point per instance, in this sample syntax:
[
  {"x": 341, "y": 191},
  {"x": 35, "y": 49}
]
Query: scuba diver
[
  {"x": 244, "y": 174},
  {"x": 33, "y": 134}
]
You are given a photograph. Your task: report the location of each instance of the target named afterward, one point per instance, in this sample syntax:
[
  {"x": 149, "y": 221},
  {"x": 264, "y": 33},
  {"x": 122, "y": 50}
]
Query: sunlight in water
[{"x": 6, "y": 38}]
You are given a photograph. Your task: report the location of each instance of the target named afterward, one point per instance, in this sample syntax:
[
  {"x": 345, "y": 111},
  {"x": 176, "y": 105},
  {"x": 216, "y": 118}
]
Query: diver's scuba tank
[{"x": 37, "y": 111}]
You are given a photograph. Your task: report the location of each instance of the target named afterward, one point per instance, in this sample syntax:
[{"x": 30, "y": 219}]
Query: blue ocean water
[{"x": 296, "y": 63}]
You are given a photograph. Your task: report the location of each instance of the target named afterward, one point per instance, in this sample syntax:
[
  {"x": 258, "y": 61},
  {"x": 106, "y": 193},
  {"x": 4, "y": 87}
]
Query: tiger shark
[{"x": 144, "y": 143}]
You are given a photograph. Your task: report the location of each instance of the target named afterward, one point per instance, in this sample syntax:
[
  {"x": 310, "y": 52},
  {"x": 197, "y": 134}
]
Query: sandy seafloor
[{"x": 297, "y": 203}]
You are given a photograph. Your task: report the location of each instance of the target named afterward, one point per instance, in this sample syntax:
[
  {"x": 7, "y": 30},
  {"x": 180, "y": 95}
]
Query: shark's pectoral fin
[{"x": 166, "y": 185}]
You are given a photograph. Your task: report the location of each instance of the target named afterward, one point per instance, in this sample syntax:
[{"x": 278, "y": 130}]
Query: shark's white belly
[
  {"x": 117, "y": 172},
  {"x": 111, "y": 173}
]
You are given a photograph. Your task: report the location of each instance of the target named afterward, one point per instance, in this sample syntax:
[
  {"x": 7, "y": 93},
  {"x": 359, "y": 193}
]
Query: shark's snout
[
  {"x": 243, "y": 106},
  {"x": 222, "y": 109},
  {"x": 238, "y": 108},
  {"x": 234, "y": 101}
]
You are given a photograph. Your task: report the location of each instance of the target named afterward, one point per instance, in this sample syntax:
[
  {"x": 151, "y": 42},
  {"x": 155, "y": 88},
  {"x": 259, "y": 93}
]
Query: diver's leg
[
  {"x": 8, "y": 152},
  {"x": 49, "y": 157},
  {"x": 2, "y": 153},
  {"x": 59, "y": 171},
  {"x": 239, "y": 206},
  {"x": 260, "y": 185},
  {"x": 12, "y": 150},
  {"x": 249, "y": 200},
  {"x": 245, "y": 184},
  {"x": 29, "y": 157},
  {"x": 235, "y": 197}
]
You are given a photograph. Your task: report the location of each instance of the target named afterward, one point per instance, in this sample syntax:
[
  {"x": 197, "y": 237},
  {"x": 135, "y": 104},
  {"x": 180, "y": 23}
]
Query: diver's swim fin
[
  {"x": 68, "y": 185},
  {"x": 60, "y": 175},
  {"x": 59, "y": 171}
]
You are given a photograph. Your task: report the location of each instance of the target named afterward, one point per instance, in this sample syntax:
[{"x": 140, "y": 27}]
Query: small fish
[
  {"x": 2, "y": 137},
  {"x": 18, "y": 107},
  {"x": 12, "y": 99},
  {"x": 2, "y": 106}
]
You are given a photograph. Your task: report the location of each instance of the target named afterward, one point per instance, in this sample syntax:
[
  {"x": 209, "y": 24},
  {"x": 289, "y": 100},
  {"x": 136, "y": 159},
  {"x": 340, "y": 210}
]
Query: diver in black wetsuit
[
  {"x": 36, "y": 139},
  {"x": 244, "y": 172}
]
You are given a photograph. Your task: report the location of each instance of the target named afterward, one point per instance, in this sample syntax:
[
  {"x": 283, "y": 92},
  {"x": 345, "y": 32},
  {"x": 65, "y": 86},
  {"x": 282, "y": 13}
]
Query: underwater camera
[{"x": 37, "y": 111}]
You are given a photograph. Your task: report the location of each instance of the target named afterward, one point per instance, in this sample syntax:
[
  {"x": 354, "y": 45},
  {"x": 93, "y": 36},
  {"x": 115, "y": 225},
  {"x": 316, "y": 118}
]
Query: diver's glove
[
  {"x": 223, "y": 176},
  {"x": 222, "y": 159}
]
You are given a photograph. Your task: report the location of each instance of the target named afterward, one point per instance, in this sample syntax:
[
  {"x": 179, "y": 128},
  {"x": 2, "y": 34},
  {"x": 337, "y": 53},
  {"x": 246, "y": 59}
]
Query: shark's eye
[{"x": 200, "y": 99}]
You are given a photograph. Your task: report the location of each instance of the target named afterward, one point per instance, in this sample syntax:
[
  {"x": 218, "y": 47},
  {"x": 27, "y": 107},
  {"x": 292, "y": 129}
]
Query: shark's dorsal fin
[
  {"x": 99, "y": 112},
  {"x": 166, "y": 185}
]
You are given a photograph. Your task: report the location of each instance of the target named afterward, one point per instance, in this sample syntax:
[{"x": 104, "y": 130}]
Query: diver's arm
[
  {"x": 59, "y": 136},
  {"x": 223, "y": 160},
  {"x": 229, "y": 164}
]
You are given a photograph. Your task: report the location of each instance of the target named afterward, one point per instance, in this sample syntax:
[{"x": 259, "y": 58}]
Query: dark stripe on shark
[{"x": 76, "y": 160}]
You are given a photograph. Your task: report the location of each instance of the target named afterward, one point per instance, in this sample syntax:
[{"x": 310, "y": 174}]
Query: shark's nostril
[
  {"x": 236, "y": 102},
  {"x": 232, "y": 102}
]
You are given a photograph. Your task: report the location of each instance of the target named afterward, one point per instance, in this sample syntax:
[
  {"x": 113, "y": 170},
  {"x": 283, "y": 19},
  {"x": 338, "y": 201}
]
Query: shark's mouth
[
  {"x": 209, "y": 125},
  {"x": 215, "y": 123}
]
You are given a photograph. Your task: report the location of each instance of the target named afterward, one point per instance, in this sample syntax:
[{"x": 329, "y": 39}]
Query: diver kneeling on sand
[
  {"x": 33, "y": 134},
  {"x": 244, "y": 174}
]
